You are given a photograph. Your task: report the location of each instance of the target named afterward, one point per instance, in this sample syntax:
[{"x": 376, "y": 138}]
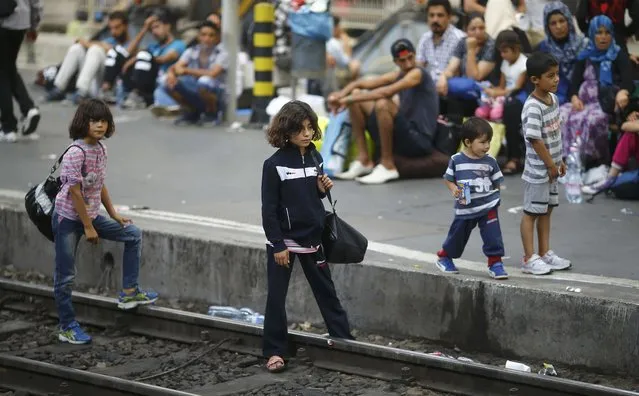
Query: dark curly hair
[
  {"x": 90, "y": 110},
  {"x": 289, "y": 121}
]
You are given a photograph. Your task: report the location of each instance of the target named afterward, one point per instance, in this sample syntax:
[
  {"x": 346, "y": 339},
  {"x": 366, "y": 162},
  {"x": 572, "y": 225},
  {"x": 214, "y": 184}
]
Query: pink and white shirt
[{"x": 94, "y": 159}]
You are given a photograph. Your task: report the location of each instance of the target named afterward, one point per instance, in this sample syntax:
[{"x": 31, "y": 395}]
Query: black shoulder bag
[
  {"x": 342, "y": 243},
  {"x": 40, "y": 199},
  {"x": 7, "y": 8}
]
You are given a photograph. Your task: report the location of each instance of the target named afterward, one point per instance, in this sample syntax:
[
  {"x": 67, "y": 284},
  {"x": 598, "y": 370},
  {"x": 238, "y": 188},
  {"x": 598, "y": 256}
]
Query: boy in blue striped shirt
[{"x": 479, "y": 172}]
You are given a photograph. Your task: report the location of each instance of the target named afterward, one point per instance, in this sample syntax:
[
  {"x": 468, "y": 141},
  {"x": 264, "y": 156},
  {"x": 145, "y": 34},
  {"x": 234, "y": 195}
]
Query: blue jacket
[{"x": 292, "y": 205}]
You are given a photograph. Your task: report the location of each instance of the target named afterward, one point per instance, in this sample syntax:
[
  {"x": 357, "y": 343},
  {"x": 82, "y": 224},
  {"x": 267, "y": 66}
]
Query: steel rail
[
  {"x": 354, "y": 357},
  {"x": 40, "y": 378}
]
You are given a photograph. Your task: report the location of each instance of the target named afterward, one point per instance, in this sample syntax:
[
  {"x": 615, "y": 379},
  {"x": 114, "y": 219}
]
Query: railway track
[{"x": 205, "y": 334}]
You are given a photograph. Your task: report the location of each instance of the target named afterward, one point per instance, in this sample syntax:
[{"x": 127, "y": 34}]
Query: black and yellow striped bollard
[{"x": 263, "y": 42}]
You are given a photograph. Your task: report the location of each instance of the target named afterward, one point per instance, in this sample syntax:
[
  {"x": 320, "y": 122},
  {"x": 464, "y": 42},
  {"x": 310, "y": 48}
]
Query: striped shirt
[
  {"x": 484, "y": 177},
  {"x": 540, "y": 121},
  {"x": 436, "y": 56},
  {"x": 86, "y": 168}
]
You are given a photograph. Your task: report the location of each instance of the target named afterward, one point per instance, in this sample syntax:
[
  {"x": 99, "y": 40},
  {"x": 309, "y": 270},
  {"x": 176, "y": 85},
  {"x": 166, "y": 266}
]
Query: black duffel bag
[
  {"x": 342, "y": 243},
  {"x": 7, "y": 8}
]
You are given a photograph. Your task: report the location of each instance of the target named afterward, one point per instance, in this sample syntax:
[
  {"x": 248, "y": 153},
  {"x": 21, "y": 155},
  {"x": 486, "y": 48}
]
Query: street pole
[{"x": 231, "y": 41}]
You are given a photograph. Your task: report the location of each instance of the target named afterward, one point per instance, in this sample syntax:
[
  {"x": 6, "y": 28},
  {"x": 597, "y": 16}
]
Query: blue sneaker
[
  {"x": 74, "y": 334},
  {"x": 497, "y": 271},
  {"x": 445, "y": 264},
  {"x": 55, "y": 95},
  {"x": 139, "y": 297}
]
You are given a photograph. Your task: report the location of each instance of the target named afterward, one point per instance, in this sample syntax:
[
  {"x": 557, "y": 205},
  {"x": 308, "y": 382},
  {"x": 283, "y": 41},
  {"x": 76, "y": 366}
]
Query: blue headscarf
[
  {"x": 604, "y": 58},
  {"x": 566, "y": 52}
]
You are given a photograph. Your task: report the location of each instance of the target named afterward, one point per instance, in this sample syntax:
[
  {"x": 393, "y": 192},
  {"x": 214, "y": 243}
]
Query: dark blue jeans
[
  {"x": 67, "y": 234},
  {"x": 189, "y": 88}
]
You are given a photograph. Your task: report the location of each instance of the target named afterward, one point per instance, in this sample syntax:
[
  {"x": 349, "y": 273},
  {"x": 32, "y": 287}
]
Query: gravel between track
[{"x": 616, "y": 380}]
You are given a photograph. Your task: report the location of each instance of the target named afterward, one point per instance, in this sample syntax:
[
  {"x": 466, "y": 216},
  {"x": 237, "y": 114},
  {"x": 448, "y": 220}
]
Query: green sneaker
[{"x": 139, "y": 297}]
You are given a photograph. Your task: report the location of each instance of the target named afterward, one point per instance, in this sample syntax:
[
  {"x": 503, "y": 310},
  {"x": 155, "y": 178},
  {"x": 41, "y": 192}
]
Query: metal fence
[
  {"x": 365, "y": 14},
  {"x": 99, "y": 9}
]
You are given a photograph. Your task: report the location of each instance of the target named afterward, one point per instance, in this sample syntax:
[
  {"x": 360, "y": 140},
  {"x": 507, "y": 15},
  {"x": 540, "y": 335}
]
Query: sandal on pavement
[{"x": 275, "y": 364}]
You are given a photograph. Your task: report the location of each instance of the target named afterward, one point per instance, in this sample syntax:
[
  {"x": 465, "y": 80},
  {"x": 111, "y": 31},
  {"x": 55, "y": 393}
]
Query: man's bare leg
[
  {"x": 385, "y": 111},
  {"x": 359, "y": 113}
]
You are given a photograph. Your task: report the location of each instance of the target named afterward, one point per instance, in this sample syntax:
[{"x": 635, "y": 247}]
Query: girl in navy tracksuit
[{"x": 293, "y": 220}]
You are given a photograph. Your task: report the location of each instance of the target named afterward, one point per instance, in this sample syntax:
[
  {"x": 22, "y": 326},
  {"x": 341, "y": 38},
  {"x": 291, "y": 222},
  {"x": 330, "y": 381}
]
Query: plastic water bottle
[
  {"x": 573, "y": 176},
  {"x": 242, "y": 315}
]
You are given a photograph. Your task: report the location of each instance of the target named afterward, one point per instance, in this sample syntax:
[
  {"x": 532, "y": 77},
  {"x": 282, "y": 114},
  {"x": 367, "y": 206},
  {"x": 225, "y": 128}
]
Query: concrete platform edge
[{"x": 513, "y": 321}]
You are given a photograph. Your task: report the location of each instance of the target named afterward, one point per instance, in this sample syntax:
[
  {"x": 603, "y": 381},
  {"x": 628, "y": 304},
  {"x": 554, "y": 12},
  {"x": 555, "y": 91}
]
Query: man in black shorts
[{"x": 399, "y": 109}]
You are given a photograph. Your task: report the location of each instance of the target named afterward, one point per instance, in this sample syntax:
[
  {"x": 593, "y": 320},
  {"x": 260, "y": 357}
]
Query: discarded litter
[
  {"x": 573, "y": 289},
  {"x": 465, "y": 359},
  {"x": 627, "y": 211},
  {"x": 441, "y": 355},
  {"x": 518, "y": 366},
  {"x": 548, "y": 369},
  {"x": 242, "y": 314}
]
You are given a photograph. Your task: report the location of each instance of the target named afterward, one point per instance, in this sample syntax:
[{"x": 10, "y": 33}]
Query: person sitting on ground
[
  {"x": 142, "y": 72},
  {"x": 587, "y": 10},
  {"x": 163, "y": 104},
  {"x": 87, "y": 58},
  {"x": 399, "y": 111},
  {"x": 473, "y": 58},
  {"x": 601, "y": 84},
  {"x": 563, "y": 42},
  {"x": 197, "y": 80},
  {"x": 339, "y": 51},
  {"x": 437, "y": 46},
  {"x": 505, "y": 101},
  {"x": 627, "y": 148}
]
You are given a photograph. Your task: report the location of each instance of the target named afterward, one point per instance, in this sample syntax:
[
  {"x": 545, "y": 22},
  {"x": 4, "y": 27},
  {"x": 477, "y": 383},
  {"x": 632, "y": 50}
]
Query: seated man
[
  {"x": 339, "y": 52},
  {"x": 405, "y": 125},
  {"x": 141, "y": 72},
  {"x": 87, "y": 59},
  {"x": 164, "y": 105},
  {"x": 197, "y": 80}
]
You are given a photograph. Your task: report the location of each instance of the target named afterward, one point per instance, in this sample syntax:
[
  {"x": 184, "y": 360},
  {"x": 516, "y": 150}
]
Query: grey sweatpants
[{"x": 88, "y": 63}]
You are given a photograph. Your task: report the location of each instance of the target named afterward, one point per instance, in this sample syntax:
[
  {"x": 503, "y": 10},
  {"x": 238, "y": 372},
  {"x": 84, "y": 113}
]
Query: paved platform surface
[{"x": 215, "y": 173}]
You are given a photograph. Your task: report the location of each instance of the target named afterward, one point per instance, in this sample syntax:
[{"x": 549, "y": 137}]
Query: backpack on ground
[
  {"x": 625, "y": 186},
  {"x": 40, "y": 200}
]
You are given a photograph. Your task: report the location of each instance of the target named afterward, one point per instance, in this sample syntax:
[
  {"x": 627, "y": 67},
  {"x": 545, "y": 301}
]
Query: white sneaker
[
  {"x": 30, "y": 122},
  {"x": 355, "y": 169},
  {"x": 380, "y": 175},
  {"x": 536, "y": 266},
  {"x": 555, "y": 262},
  {"x": 10, "y": 137}
]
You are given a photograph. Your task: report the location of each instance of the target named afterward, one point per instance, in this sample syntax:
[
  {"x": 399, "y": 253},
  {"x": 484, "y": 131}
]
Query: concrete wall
[{"x": 513, "y": 321}]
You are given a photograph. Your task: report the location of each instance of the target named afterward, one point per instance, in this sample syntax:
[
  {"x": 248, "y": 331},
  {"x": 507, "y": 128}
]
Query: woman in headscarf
[
  {"x": 601, "y": 84},
  {"x": 563, "y": 42}
]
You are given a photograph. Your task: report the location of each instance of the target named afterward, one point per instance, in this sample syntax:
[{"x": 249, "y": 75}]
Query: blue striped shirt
[{"x": 484, "y": 177}]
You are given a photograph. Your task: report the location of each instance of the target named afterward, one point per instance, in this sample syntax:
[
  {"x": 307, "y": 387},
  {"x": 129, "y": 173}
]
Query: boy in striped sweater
[{"x": 473, "y": 178}]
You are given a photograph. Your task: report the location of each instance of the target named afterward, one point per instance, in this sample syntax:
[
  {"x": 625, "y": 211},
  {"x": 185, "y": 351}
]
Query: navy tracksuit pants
[
  {"x": 319, "y": 278},
  {"x": 490, "y": 233}
]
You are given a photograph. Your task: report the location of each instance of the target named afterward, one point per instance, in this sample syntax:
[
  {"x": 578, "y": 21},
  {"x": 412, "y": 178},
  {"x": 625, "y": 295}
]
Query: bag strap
[
  {"x": 56, "y": 164},
  {"x": 319, "y": 173}
]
